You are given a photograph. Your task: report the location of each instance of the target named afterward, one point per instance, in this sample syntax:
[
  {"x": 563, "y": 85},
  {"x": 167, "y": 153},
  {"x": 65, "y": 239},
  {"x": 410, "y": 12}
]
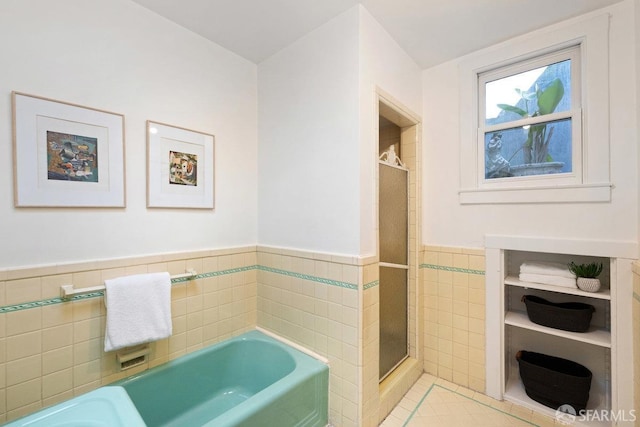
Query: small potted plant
[{"x": 587, "y": 275}]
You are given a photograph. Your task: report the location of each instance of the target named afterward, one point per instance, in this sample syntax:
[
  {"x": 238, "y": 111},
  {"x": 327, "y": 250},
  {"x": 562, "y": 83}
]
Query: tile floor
[{"x": 433, "y": 402}]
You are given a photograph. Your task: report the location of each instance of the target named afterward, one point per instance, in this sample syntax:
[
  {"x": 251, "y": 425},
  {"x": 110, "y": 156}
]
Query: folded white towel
[
  {"x": 548, "y": 280},
  {"x": 138, "y": 310},
  {"x": 548, "y": 268}
]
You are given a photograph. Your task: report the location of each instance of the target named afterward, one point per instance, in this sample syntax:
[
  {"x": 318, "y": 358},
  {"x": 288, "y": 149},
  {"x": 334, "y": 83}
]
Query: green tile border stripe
[
  {"x": 465, "y": 396},
  {"x": 52, "y": 301},
  {"x": 43, "y": 303},
  {"x": 345, "y": 285},
  {"x": 636, "y": 297},
  {"x": 308, "y": 277},
  {"x": 453, "y": 269},
  {"x": 35, "y": 304},
  {"x": 371, "y": 285},
  {"x": 216, "y": 273}
]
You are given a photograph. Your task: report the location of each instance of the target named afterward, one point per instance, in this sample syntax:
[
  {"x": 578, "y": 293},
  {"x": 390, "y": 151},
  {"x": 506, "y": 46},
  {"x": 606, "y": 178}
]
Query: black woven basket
[
  {"x": 568, "y": 316},
  {"x": 553, "y": 381}
]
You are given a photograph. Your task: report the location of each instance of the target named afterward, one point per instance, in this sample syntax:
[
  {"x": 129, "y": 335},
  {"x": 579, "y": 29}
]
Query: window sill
[{"x": 591, "y": 193}]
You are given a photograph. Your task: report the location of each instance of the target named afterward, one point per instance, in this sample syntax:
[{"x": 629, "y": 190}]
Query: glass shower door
[{"x": 393, "y": 235}]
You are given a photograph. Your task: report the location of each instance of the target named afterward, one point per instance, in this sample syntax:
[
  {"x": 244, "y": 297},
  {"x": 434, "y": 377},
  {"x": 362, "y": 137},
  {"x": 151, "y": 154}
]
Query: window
[
  {"x": 526, "y": 115},
  {"x": 534, "y": 118}
]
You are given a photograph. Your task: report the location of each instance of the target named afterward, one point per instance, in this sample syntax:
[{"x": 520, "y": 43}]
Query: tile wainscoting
[
  {"x": 52, "y": 350},
  {"x": 330, "y": 304},
  {"x": 454, "y": 319},
  {"x": 315, "y": 300}
]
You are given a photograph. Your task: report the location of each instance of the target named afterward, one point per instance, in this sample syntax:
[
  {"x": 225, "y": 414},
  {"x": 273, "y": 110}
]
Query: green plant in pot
[
  {"x": 536, "y": 146},
  {"x": 587, "y": 275}
]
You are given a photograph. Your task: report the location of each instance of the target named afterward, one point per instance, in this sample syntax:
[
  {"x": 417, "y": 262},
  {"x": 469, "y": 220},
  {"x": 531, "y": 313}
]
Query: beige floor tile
[
  {"x": 436, "y": 402},
  {"x": 401, "y": 413},
  {"x": 542, "y": 420},
  {"x": 503, "y": 406},
  {"x": 416, "y": 394},
  {"x": 392, "y": 421},
  {"x": 426, "y": 421}
]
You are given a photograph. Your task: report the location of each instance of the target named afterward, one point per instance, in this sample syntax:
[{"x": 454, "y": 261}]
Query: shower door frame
[
  {"x": 405, "y": 267},
  {"x": 384, "y": 397}
]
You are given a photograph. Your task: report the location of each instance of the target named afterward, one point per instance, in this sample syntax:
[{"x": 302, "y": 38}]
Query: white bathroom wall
[
  {"x": 309, "y": 178},
  {"x": 446, "y": 222},
  {"x": 117, "y": 56},
  {"x": 317, "y": 196},
  {"x": 385, "y": 66},
  {"x": 316, "y": 130}
]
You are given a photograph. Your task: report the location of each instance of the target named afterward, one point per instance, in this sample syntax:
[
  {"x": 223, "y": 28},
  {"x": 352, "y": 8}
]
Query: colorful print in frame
[
  {"x": 72, "y": 157},
  {"x": 180, "y": 165},
  {"x": 66, "y": 155}
]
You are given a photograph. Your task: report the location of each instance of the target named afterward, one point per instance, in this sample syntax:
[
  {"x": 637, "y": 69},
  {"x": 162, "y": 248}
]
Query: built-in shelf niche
[{"x": 604, "y": 348}]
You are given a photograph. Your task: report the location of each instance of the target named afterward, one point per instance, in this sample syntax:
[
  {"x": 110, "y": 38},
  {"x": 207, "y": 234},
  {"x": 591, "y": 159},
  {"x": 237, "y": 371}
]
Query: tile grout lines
[
  {"x": 331, "y": 282},
  {"x": 466, "y": 397},
  {"x": 418, "y": 405},
  {"x": 51, "y": 301}
]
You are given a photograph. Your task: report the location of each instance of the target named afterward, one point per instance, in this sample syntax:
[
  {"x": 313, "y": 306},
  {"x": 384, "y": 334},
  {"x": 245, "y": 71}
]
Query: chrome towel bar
[{"x": 68, "y": 291}]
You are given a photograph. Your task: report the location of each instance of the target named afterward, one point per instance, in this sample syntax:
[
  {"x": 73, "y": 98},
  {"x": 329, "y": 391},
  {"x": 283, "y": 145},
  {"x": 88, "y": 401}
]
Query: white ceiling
[{"x": 430, "y": 31}]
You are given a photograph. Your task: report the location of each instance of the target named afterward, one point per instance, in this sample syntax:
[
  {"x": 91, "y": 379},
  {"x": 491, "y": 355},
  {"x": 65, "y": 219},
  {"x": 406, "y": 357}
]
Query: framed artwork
[
  {"x": 66, "y": 155},
  {"x": 180, "y": 167}
]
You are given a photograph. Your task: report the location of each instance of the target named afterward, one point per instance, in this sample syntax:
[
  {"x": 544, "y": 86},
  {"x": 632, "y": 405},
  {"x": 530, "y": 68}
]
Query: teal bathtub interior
[{"x": 252, "y": 380}]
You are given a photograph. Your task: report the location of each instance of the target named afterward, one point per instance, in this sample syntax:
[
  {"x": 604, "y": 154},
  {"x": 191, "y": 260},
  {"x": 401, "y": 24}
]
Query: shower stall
[
  {"x": 394, "y": 326},
  {"x": 394, "y": 259}
]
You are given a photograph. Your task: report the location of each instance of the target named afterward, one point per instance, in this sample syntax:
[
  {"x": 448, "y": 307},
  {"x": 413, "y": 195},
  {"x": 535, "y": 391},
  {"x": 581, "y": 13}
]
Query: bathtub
[{"x": 250, "y": 380}]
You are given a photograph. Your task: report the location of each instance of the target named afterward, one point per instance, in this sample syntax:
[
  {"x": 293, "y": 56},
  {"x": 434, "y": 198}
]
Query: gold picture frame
[
  {"x": 66, "y": 155},
  {"x": 180, "y": 167}
]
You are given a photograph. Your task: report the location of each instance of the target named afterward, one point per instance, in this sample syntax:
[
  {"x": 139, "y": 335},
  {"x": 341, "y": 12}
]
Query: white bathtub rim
[{"x": 294, "y": 345}]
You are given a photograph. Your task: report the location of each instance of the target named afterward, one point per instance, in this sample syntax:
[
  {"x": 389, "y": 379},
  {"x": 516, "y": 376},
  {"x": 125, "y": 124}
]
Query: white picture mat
[
  {"x": 32, "y": 118},
  {"x": 161, "y": 139}
]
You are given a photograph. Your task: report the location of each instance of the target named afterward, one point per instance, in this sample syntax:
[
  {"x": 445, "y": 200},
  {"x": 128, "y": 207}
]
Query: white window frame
[
  {"x": 575, "y": 115},
  {"x": 589, "y": 180}
]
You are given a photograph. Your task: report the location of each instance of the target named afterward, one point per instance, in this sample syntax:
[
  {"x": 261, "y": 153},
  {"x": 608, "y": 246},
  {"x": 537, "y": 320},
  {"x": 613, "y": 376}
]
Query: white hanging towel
[{"x": 138, "y": 310}]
